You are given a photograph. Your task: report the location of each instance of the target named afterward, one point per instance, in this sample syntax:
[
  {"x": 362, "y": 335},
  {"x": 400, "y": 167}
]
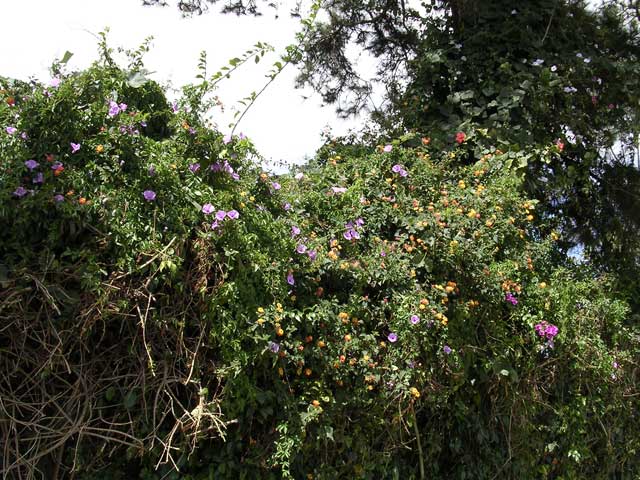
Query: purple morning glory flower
[
  {"x": 58, "y": 198},
  {"x": 392, "y": 337},
  {"x": 276, "y": 186},
  {"x": 387, "y": 148},
  {"x": 226, "y": 139},
  {"x": 55, "y": 82},
  {"x": 215, "y": 225},
  {"x": 149, "y": 195},
  {"x": 274, "y": 347},
  {"x": 123, "y": 107},
  {"x": 295, "y": 231},
  {"x": 74, "y": 147},
  {"x": 312, "y": 254},
  {"x": 114, "y": 109},
  {"x": 290, "y": 280},
  {"x": 24, "y": 135},
  {"x": 301, "y": 248},
  {"x": 233, "y": 214},
  {"x": 347, "y": 235},
  {"x": 447, "y": 349},
  {"x": 221, "y": 215},
  {"x": 415, "y": 319},
  {"x": 39, "y": 178},
  {"x": 20, "y": 192},
  {"x": 207, "y": 208},
  {"x": 235, "y": 176},
  {"x": 194, "y": 167},
  {"x": 287, "y": 206},
  {"x": 174, "y": 107},
  {"x": 31, "y": 164},
  {"x": 11, "y": 130},
  {"x": 359, "y": 222}
]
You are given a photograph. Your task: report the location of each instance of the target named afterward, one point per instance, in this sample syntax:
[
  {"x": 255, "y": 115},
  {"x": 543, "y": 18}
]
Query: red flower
[{"x": 460, "y": 137}]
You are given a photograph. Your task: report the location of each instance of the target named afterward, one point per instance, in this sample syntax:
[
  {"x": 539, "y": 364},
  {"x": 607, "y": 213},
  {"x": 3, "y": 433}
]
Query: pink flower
[
  {"x": 226, "y": 139},
  {"x": 392, "y": 337},
  {"x": 74, "y": 147},
  {"x": 415, "y": 319},
  {"x": 461, "y": 137},
  {"x": 387, "y": 148}
]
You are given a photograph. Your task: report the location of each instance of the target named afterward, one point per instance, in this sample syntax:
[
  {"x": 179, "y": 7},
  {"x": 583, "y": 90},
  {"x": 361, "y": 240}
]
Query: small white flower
[{"x": 553, "y": 68}]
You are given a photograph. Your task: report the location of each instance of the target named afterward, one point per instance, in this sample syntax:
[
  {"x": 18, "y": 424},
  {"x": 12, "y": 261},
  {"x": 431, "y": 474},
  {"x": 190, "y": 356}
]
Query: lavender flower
[
  {"x": 31, "y": 164},
  {"x": 447, "y": 349},
  {"x": 415, "y": 319},
  {"x": 290, "y": 280},
  {"x": 207, "y": 208},
  {"x": 149, "y": 195},
  {"x": 295, "y": 231},
  {"x": 301, "y": 248},
  {"x": 20, "y": 192},
  {"x": 392, "y": 337},
  {"x": 276, "y": 185},
  {"x": 233, "y": 214},
  {"x": 58, "y": 198},
  {"x": 220, "y": 215},
  {"x": 114, "y": 109},
  {"x": 312, "y": 254},
  {"x": 274, "y": 347},
  {"x": 11, "y": 130}
]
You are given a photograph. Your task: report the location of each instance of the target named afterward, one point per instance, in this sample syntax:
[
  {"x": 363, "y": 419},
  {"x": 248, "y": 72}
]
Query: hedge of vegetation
[{"x": 169, "y": 310}]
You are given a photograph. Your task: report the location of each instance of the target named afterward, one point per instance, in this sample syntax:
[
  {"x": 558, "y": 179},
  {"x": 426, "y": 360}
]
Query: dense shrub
[{"x": 171, "y": 311}]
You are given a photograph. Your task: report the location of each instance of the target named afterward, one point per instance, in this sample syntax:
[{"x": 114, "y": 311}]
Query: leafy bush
[{"x": 172, "y": 311}]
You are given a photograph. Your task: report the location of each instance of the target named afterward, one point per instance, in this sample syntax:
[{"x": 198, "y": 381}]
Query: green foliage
[{"x": 378, "y": 316}]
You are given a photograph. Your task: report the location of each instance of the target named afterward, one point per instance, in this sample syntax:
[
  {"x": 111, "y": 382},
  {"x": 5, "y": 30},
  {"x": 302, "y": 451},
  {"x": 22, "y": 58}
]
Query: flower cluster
[
  {"x": 546, "y": 330},
  {"x": 352, "y": 229},
  {"x": 219, "y": 167},
  {"x": 115, "y": 108}
]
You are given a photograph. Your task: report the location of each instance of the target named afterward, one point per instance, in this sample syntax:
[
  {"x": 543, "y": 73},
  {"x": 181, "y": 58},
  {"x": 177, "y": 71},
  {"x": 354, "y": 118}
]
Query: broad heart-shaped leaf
[{"x": 138, "y": 78}]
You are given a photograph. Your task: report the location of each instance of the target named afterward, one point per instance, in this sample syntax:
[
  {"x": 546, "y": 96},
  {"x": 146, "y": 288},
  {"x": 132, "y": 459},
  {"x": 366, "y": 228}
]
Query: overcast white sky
[{"x": 282, "y": 125}]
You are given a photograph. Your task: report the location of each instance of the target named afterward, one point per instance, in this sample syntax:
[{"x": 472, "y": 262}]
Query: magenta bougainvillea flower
[
  {"x": 510, "y": 298},
  {"x": 149, "y": 195}
]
